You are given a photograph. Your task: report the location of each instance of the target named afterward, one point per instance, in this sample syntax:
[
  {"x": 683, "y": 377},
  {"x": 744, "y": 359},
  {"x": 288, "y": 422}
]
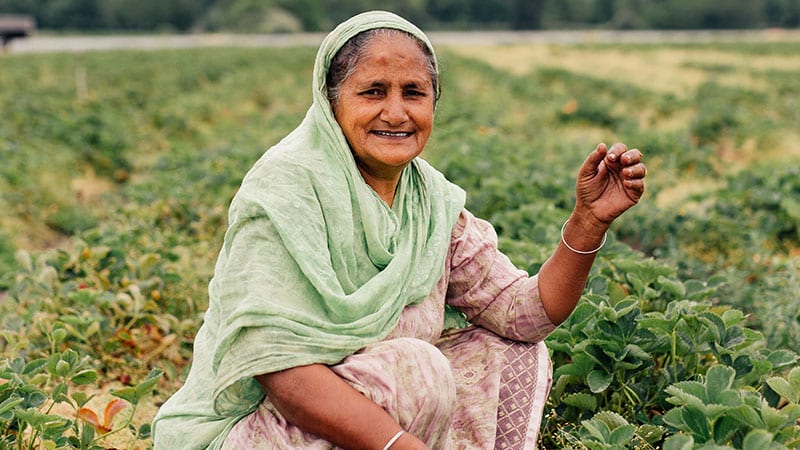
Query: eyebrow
[{"x": 383, "y": 84}]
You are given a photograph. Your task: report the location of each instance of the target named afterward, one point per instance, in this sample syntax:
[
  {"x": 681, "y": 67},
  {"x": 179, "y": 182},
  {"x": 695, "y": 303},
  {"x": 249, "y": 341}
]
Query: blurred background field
[{"x": 118, "y": 167}]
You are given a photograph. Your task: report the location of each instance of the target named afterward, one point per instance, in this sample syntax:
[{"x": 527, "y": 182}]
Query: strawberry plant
[
  {"x": 30, "y": 390},
  {"x": 615, "y": 353},
  {"x": 713, "y": 411}
]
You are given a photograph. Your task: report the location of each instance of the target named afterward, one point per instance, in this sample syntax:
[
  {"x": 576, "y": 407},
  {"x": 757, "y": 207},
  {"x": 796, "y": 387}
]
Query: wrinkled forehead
[
  {"x": 392, "y": 33},
  {"x": 337, "y": 38}
]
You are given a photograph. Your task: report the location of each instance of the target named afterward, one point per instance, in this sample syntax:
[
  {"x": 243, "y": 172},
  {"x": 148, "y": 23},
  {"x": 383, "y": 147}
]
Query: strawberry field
[{"x": 118, "y": 167}]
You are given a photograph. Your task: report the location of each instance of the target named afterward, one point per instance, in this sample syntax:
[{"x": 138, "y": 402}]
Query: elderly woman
[{"x": 337, "y": 304}]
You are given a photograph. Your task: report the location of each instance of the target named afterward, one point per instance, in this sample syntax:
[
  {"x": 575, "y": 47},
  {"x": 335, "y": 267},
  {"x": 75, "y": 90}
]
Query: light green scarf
[{"x": 314, "y": 265}]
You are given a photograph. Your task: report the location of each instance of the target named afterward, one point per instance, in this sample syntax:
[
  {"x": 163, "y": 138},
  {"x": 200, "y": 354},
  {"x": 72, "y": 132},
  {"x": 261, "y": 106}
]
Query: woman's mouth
[{"x": 392, "y": 133}]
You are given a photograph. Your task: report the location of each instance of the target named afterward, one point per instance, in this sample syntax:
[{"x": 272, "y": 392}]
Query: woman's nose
[{"x": 394, "y": 110}]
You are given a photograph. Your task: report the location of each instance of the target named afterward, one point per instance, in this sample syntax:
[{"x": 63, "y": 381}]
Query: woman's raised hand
[{"x": 610, "y": 181}]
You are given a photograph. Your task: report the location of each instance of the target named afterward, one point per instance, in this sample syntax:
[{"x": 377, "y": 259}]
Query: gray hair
[{"x": 348, "y": 57}]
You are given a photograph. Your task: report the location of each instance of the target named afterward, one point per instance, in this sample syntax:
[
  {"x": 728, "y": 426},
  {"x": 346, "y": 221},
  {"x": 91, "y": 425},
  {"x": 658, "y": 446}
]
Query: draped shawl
[{"x": 314, "y": 265}]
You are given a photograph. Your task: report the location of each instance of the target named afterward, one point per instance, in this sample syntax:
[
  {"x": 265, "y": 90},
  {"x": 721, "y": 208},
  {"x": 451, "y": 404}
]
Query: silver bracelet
[
  {"x": 393, "y": 439},
  {"x": 581, "y": 252}
]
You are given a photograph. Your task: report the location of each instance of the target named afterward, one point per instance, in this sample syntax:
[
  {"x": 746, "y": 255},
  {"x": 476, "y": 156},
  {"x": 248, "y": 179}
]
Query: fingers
[
  {"x": 628, "y": 163},
  {"x": 618, "y": 158},
  {"x": 615, "y": 153},
  {"x": 597, "y": 155},
  {"x": 592, "y": 163},
  {"x": 633, "y": 170}
]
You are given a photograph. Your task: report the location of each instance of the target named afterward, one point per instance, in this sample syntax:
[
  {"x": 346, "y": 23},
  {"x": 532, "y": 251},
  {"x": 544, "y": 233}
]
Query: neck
[{"x": 385, "y": 187}]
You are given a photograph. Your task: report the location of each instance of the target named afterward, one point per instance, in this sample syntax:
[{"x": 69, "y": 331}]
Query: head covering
[{"x": 314, "y": 265}]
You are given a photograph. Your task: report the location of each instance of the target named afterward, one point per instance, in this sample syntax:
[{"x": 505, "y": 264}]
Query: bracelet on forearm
[
  {"x": 581, "y": 252},
  {"x": 393, "y": 439}
]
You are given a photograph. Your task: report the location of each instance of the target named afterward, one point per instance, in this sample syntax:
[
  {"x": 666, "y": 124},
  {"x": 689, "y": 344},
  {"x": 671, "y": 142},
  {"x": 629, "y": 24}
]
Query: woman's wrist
[
  {"x": 587, "y": 224},
  {"x": 583, "y": 235},
  {"x": 405, "y": 441},
  {"x": 393, "y": 439},
  {"x": 581, "y": 252}
]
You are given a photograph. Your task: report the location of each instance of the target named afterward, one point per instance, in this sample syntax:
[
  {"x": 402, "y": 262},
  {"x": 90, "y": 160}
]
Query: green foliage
[
  {"x": 712, "y": 410},
  {"x": 7, "y": 261},
  {"x": 29, "y": 391},
  {"x": 688, "y": 371}
]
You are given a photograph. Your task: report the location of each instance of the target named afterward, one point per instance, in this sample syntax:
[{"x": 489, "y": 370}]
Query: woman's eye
[{"x": 372, "y": 92}]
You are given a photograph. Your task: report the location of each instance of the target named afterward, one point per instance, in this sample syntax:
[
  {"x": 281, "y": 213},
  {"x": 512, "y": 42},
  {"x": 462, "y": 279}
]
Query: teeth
[{"x": 393, "y": 134}]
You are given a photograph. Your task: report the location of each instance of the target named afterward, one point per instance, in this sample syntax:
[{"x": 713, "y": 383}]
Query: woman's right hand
[{"x": 610, "y": 181}]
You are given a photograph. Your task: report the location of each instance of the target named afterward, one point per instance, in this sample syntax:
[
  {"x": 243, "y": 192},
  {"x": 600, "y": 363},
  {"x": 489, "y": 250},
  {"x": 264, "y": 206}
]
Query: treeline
[{"x": 321, "y": 15}]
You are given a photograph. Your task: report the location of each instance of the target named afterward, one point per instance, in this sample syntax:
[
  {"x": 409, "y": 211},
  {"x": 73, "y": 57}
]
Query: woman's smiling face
[{"x": 385, "y": 107}]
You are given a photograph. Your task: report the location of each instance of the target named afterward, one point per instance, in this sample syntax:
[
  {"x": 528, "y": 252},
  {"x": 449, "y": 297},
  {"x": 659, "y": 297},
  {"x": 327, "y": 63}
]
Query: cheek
[{"x": 423, "y": 116}]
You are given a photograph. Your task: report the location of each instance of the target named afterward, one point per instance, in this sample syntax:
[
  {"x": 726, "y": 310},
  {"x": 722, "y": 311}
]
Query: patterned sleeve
[{"x": 486, "y": 286}]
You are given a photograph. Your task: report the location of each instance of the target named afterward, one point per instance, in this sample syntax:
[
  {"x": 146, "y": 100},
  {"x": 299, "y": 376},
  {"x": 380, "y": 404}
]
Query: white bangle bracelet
[
  {"x": 393, "y": 439},
  {"x": 581, "y": 252}
]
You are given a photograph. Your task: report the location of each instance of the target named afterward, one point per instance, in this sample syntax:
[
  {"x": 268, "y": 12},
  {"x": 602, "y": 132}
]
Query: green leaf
[
  {"x": 773, "y": 418},
  {"x": 656, "y": 323},
  {"x": 597, "y": 429},
  {"x": 81, "y": 399},
  {"x": 757, "y": 440},
  {"x": 9, "y": 404},
  {"x": 791, "y": 207},
  {"x": 37, "y": 419},
  {"x": 87, "y": 436},
  {"x": 59, "y": 334},
  {"x": 144, "y": 431},
  {"x": 580, "y": 366},
  {"x": 725, "y": 427},
  {"x": 783, "y": 388},
  {"x": 747, "y": 415},
  {"x": 581, "y": 400},
  {"x": 135, "y": 393},
  {"x": 636, "y": 283},
  {"x": 697, "y": 422},
  {"x": 611, "y": 418},
  {"x": 598, "y": 380},
  {"x": 718, "y": 379},
  {"x": 84, "y": 377},
  {"x": 650, "y": 433},
  {"x": 674, "y": 418},
  {"x": 792, "y": 413},
  {"x": 638, "y": 352},
  {"x": 622, "y": 435},
  {"x": 794, "y": 378},
  {"x": 146, "y": 386},
  {"x": 34, "y": 366},
  {"x": 679, "y": 442},
  {"x": 128, "y": 394},
  {"x": 669, "y": 286},
  {"x": 733, "y": 317},
  {"x": 62, "y": 368},
  {"x": 687, "y": 393},
  {"x": 782, "y": 358},
  {"x": 59, "y": 393},
  {"x": 35, "y": 398}
]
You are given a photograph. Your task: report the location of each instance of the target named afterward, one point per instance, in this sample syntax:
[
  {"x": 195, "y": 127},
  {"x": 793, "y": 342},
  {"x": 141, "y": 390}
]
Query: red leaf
[
  {"x": 89, "y": 416},
  {"x": 112, "y": 409}
]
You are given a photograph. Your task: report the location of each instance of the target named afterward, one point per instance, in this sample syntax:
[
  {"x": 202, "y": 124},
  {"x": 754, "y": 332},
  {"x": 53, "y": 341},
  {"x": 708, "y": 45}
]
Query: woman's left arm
[{"x": 610, "y": 181}]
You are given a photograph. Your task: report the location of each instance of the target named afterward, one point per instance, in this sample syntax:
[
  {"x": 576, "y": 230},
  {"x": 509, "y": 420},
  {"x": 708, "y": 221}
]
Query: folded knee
[
  {"x": 425, "y": 380},
  {"x": 409, "y": 377}
]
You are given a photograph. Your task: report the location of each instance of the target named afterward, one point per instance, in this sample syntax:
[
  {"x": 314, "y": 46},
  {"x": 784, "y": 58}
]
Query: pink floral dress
[{"x": 479, "y": 387}]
